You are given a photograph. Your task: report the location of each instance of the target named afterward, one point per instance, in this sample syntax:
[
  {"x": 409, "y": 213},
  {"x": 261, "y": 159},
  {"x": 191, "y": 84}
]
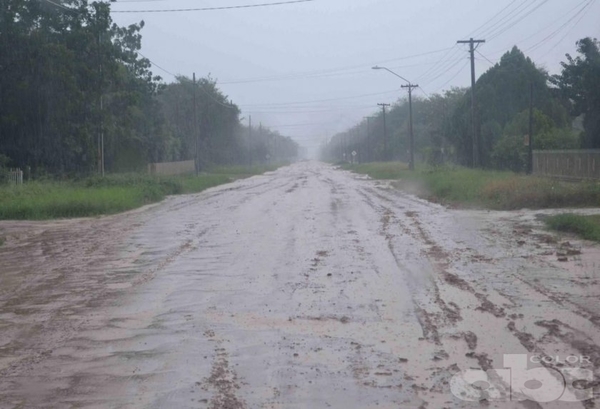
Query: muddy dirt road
[{"x": 308, "y": 287}]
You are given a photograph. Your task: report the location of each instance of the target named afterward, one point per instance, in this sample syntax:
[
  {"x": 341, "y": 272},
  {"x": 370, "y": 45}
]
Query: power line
[
  {"x": 568, "y": 31},
  {"x": 551, "y": 25},
  {"x": 156, "y": 65},
  {"x": 491, "y": 19},
  {"x": 60, "y": 5},
  {"x": 451, "y": 52},
  {"x": 332, "y": 71},
  {"x": 303, "y": 124},
  {"x": 448, "y": 61},
  {"x": 313, "y": 111},
  {"x": 508, "y": 27},
  {"x": 455, "y": 75},
  {"x": 559, "y": 29},
  {"x": 516, "y": 11},
  {"x": 477, "y": 51},
  {"x": 456, "y": 62},
  {"x": 247, "y": 6},
  {"x": 208, "y": 94},
  {"x": 321, "y": 100}
]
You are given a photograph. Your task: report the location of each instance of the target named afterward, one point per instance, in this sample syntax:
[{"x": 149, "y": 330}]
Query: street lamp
[{"x": 410, "y": 86}]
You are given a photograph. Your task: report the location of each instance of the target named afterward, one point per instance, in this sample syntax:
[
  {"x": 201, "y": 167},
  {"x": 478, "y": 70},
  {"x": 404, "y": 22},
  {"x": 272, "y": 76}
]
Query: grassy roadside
[
  {"x": 587, "y": 227},
  {"x": 113, "y": 194},
  {"x": 483, "y": 188}
]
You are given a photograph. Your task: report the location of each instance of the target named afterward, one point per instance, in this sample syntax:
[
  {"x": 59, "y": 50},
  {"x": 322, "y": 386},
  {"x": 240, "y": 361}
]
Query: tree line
[
  {"x": 73, "y": 85},
  {"x": 566, "y": 115}
]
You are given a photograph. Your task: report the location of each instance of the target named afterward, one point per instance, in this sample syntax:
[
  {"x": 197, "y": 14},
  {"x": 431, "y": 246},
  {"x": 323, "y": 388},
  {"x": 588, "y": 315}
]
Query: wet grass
[
  {"x": 586, "y": 227},
  {"x": 95, "y": 196},
  {"x": 483, "y": 188}
]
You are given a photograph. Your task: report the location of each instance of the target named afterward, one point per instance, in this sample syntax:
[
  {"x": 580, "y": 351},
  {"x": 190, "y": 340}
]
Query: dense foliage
[
  {"x": 580, "y": 83},
  {"x": 442, "y": 122},
  {"x": 71, "y": 79}
]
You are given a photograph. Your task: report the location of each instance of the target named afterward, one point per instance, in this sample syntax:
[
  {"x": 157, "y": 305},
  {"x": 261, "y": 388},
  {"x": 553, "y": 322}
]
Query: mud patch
[
  {"x": 527, "y": 340},
  {"x": 483, "y": 360},
  {"x": 223, "y": 381},
  {"x": 426, "y": 320}
]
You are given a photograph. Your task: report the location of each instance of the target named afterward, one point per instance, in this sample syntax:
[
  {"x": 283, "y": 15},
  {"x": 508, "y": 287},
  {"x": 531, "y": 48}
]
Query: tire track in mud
[
  {"x": 449, "y": 312},
  {"x": 562, "y": 301},
  {"x": 441, "y": 261},
  {"x": 223, "y": 380}
]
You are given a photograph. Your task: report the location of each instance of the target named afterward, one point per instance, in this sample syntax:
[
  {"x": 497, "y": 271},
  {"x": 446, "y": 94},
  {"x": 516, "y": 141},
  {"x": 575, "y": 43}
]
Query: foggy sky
[{"x": 305, "y": 69}]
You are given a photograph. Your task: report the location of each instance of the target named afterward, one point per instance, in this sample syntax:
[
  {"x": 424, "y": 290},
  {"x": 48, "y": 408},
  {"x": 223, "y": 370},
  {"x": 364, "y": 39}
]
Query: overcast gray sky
[{"x": 305, "y": 69}]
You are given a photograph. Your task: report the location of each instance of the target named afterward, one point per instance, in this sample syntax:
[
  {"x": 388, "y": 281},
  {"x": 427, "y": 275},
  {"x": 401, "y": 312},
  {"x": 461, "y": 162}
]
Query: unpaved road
[{"x": 308, "y": 287}]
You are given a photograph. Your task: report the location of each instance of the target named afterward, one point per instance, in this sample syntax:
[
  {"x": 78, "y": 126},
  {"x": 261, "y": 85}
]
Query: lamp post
[{"x": 410, "y": 86}]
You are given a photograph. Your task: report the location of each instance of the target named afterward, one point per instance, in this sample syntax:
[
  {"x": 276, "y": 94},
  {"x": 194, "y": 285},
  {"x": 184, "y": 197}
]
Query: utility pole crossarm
[{"x": 470, "y": 41}]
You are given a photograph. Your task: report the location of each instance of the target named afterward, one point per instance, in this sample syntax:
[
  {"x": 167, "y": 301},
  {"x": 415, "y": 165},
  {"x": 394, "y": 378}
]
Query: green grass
[
  {"x": 587, "y": 227},
  {"x": 95, "y": 195},
  {"x": 483, "y": 188}
]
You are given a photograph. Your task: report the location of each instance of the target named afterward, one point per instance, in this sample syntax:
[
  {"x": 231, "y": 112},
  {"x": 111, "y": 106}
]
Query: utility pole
[
  {"x": 411, "y": 163},
  {"x": 101, "y": 136},
  {"x": 530, "y": 147},
  {"x": 249, "y": 140},
  {"x": 196, "y": 159},
  {"x": 475, "y": 129},
  {"x": 368, "y": 147},
  {"x": 101, "y": 130},
  {"x": 385, "y": 141}
]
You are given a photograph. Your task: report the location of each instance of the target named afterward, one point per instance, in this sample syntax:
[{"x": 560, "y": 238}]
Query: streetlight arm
[{"x": 391, "y": 72}]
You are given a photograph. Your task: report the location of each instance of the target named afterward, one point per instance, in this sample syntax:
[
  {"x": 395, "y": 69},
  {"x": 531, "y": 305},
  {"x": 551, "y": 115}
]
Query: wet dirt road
[{"x": 308, "y": 287}]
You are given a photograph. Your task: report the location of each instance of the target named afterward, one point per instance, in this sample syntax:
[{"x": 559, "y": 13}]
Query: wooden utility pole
[
  {"x": 368, "y": 147},
  {"x": 475, "y": 129},
  {"x": 249, "y": 140},
  {"x": 101, "y": 122},
  {"x": 196, "y": 159},
  {"x": 385, "y": 139},
  {"x": 530, "y": 147},
  {"x": 411, "y": 163}
]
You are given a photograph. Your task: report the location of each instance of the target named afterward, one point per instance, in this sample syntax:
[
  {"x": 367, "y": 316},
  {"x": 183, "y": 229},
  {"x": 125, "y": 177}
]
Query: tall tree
[
  {"x": 502, "y": 93},
  {"x": 58, "y": 61},
  {"x": 579, "y": 81}
]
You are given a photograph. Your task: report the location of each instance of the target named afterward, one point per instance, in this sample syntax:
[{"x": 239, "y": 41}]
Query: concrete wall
[
  {"x": 171, "y": 168},
  {"x": 568, "y": 164}
]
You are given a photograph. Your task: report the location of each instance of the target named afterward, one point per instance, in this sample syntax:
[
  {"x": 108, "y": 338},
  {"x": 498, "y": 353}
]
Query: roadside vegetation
[
  {"x": 587, "y": 227},
  {"x": 95, "y": 195},
  {"x": 500, "y": 190},
  {"x": 565, "y": 116}
]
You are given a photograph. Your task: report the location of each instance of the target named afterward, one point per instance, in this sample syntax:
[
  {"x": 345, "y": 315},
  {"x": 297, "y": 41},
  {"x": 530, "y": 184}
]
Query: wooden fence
[
  {"x": 171, "y": 168},
  {"x": 15, "y": 176},
  {"x": 567, "y": 164}
]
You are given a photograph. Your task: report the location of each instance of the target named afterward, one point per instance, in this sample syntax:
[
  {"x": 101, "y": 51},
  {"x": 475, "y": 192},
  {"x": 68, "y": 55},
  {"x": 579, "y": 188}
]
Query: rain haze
[
  {"x": 305, "y": 69},
  {"x": 299, "y": 204}
]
